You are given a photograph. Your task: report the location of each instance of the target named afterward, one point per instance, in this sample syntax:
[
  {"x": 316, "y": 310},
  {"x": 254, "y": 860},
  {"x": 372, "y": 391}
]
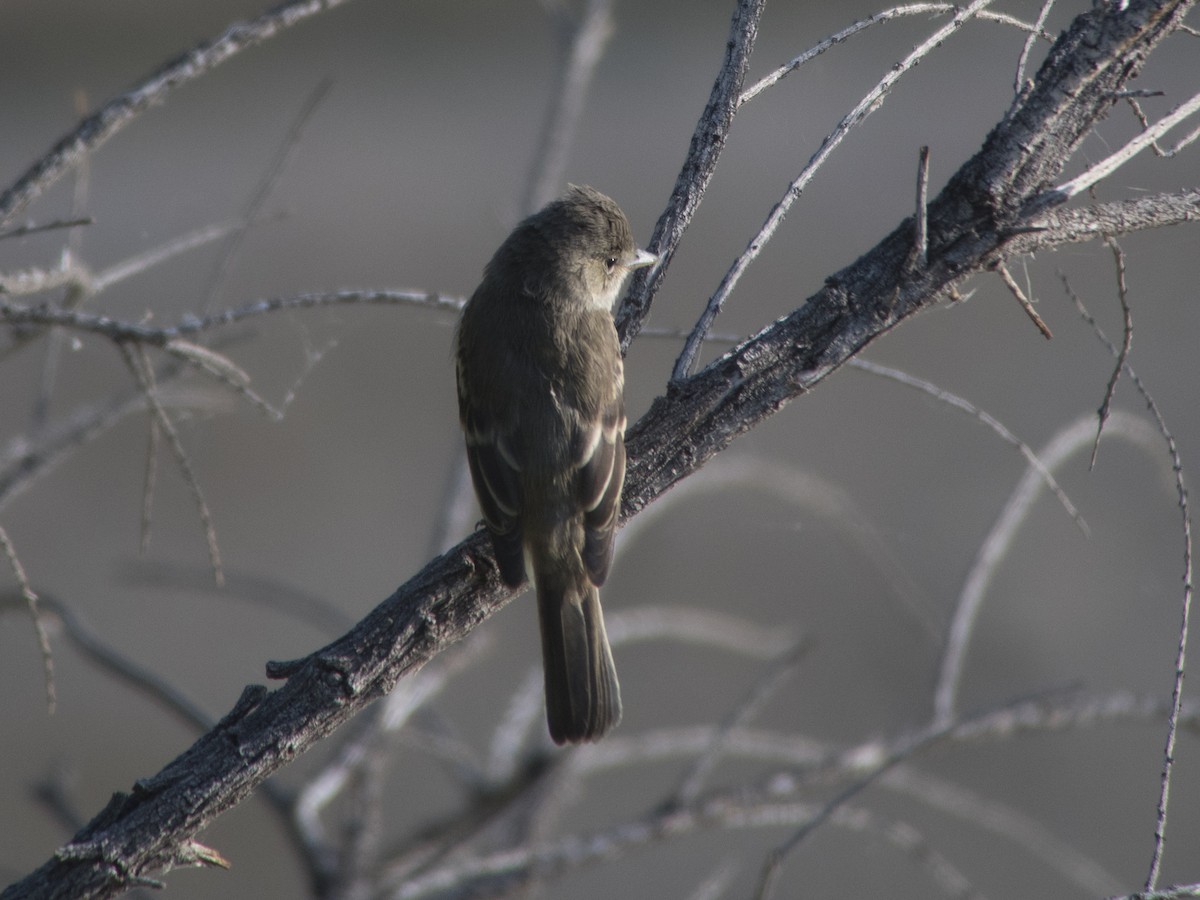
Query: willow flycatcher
[{"x": 540, "y": 383}]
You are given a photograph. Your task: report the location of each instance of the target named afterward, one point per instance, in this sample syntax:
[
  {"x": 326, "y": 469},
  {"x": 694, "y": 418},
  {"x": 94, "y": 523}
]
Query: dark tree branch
[
  {"x": 708, "y": 140},
  {"x": 998, "y": 205}
]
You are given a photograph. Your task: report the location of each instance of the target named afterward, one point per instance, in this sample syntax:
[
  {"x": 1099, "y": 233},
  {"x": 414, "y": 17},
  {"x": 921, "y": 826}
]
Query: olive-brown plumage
[{"x": 540, "y": 397}]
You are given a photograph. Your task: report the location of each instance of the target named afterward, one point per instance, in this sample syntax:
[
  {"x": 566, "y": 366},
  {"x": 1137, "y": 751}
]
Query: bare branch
[
  {"x": 224, "y": 370},
  {"x": 1175, "y": 892},
  {"x": 681, "y": 624},
  {"x": 1019, "y": 82},
  {"x": 502, "y": 869},
  {"x": 987, "y": 419},
  {"x": 999, "y": 819},
  {"x": 920, "y": 249},
  {"x": 235, "y": 237},
  {"x": 33, "y": 605},
  {"x": 1026, "y": 303},
  {"x": 1126, "y": 343},
  {"x": 142, "y": 262},
  {"x": 911, "y": 9},
  {"x": 143, "y": 372},
  {"x": 108, "y": 659},
  {"x": 904, "y": 751},
  {"x": 770, "y": 802},
  {"x": 150, "y": 481},
  {"x": 21, "y": 463},
  {"x": 867, "y": 105},
  {"x": 57, "y": 224},
  {"x": 715, "y": 884},
  {"x": 584, "y": 43},
  {"x": 742, "y": 712},
  {"x": 1062, "y": 225},
  {"x": 121, "y": 111},
  {"x": 1159, "y": 151},
  {"x": 995, "y": 206},
  {"x": 118, "y": 330},
  {"x": 708, "y": 140},
  {"x": 996, "y": 545},
  {"x": 1173, "y": 719},
  {"x": 1114, "y": 161}
]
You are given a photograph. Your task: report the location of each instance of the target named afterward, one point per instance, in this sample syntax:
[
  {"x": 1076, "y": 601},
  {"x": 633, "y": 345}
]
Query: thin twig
[
  {"x": 55, "y": 225},
  {"x": 740, "y": 807},
  {"x": 878, "y": 761},
  {"x": 708, "y": 140},
  {"x": 1173, "y": 719},
  {"x": 52, "y": 792},
  {"x": 1026, "y": 303},
  {"x": 912, "y": 9},
  {"x": 987, "y": 419},
  {"x": 1126, "y": 342},
  {"x": 1175, "y": 892},
  {"x": 742, "y": 712},
  {"x": 716, "y": 883},
  {"x": 583, "y": 48},
  {"x": 920, "y": 248},
  {"x": 809, "y": 491},
  {"x": 1114, "y": 161},
  {"x": 74, "y": 275},
  {"x": 867, "y": 105},
  {"x": 270, "y": 177},
  {"x": 122, "y": 110},
  {"x": 67, "y": 274},
  {"x": 994, "y": 549},
  {"x": 143, "y": 373},
  {"x": 1002, "y": 821},
  {"x": 105, "y": 657},
  {"x": 815, "y": 763},
  {"x": 22, "y": 462},
  {"x": 906, "y": 749},
  {"x": 39, "y": 627},
  {"x": 682, "y": 624},
  {"x": 1027, "y": 47},
  {"x": 226, "y": 371},
  {"x": 1159, "y": 151},
  {"x": 326, "y": 786},
  {"x": 928, "y": 387},
  {"x": 257, "y": 591},
  {"x": 150, "y": 481},
  {"x": 76, "y": 294},
  {"x": 119, "y": 330},
  {"x": 142, "y": 262}
]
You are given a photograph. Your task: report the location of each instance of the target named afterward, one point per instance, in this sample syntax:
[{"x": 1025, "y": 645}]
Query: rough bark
[{"x": 1000, "y": 204}]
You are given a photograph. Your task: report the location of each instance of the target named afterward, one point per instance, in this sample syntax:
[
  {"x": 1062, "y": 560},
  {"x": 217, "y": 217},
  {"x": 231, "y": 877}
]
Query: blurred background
[{"x": 850, "y": 519}]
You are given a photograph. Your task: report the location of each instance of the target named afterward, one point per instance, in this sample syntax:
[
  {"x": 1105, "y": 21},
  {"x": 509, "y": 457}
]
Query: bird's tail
[{"x": 583, "y": 699}]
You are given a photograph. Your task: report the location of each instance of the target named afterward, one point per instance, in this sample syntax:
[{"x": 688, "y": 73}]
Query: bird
[{"x": 540, "y": 383}]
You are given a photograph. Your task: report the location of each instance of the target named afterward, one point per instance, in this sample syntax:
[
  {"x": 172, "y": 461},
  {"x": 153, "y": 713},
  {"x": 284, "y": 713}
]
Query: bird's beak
[{"x": 642, "y": 259}]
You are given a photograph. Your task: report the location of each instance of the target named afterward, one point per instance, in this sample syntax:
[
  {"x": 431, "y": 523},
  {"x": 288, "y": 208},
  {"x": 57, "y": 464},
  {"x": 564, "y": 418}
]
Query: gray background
[{"x": 408, "y": 175}]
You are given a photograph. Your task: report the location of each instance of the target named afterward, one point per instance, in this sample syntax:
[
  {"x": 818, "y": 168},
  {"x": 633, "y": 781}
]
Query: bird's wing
[
  {"x": 601, "y": 475},
  {"x": 495, "y": 471}
]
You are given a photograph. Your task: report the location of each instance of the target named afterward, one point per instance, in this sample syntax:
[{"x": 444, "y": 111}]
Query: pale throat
[{"x": 607, "y": 296}]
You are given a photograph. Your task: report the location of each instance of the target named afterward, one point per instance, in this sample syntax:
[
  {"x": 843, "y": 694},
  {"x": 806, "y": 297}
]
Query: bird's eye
[{"x": 610, "y": 263}]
